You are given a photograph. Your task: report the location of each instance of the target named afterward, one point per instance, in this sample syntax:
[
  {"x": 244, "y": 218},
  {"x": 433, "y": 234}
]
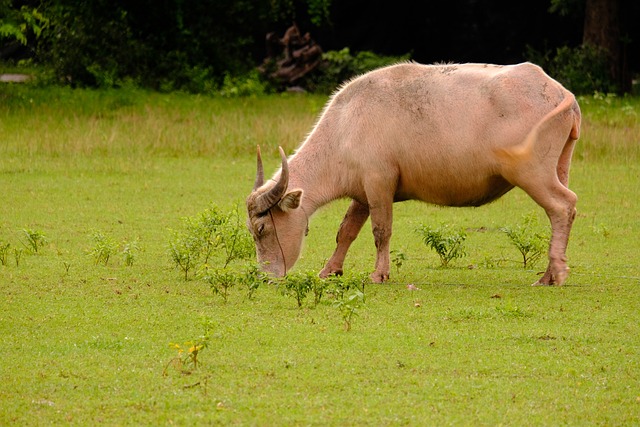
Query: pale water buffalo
[{"x": 451, "y": 135}]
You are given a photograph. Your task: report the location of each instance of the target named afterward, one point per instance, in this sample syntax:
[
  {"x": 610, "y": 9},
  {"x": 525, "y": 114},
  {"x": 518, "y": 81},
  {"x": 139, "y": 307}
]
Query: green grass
[{"x": 84, "y": 343}]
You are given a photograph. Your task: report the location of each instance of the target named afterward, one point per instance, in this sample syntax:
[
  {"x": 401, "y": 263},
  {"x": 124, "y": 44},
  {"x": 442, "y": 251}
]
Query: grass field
[{"x": 85, "y": 343}]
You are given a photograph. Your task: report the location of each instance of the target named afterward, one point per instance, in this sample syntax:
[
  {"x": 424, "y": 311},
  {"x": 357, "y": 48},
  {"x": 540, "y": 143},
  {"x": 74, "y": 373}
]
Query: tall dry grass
[
  {"x": 60, "y": 122},
  {"x": 610, "y": 129},
  {"x": 65, "y": 122}
]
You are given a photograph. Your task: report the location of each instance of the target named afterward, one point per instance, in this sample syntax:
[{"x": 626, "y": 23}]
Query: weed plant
[
  {"x": 445, "y": 241},
  {"x": 221, "y": 281},
  {"x": 187, "y": 359},
  {"x": 32, "y": 240},
  {"x": 299, "y": 285},
  {"x": 528, "y": 239},
  {"x": 130, "y": 250},
  {"x": 349, "y": 307},
  {"x": 210, "y": 237},
  {"x": 4, "y": 252},
  {"x": 35, "y": 239},
  {"x": 398, "y": 258},
  {"x": 104, "y": 247}
]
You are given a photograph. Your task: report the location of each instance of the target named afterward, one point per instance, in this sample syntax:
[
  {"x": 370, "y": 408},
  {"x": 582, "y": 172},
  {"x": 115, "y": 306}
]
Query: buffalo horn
[
  {"x": 270, "y": 199},
  {"x": 260, "y": 173}
]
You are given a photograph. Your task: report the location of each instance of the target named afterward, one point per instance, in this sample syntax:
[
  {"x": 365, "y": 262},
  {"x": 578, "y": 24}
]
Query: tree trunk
[{"x": 602, "y": 30}]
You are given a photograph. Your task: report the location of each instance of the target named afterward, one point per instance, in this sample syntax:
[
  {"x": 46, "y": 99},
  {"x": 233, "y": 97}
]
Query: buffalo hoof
[
  {"x": 377, "y": 277},
  {"x": 327, "y": 272},
  {"x": 549, "y": 279},
  {"x": 541, "y": 283}
]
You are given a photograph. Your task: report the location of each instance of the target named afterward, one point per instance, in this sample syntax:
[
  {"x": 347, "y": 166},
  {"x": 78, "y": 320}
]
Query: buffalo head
[{"x": 276, "y": 220}]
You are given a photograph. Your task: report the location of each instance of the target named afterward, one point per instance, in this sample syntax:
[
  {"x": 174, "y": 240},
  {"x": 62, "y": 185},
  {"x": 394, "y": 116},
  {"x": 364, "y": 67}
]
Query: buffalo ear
[{"x": 291, "y": 200}]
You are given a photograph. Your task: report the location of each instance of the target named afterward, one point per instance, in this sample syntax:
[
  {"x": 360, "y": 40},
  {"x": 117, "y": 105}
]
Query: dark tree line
[
  {"x": 501, "y": 31},
  {"x": 192, "y": 44}
]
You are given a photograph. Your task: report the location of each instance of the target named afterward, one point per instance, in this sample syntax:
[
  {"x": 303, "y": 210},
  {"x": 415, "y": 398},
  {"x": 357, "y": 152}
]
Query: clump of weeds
[
  {"x": 346, "y": 292},
  {"x": 187, "y": 359},
  {"x": 340, "y": 286},
  {"x": 445, "y": 241},
  {"x": 32, "y": 240},
  {"x": 35, "y": 239},
  {"x": 104, "y": 247},
  {"x": 4, "y": 252},
  {"x": 221, "y": 280},
  {"x": 349, "y": 307},
  {"x": 528, "y": 240},
  {"x": 298, "y": 285},
  {"x": 398, "y": 258},
  {"x": 211, "y": 235},
  {"x": 130, "y": 250},
  {"x": 252, "y": 278}
]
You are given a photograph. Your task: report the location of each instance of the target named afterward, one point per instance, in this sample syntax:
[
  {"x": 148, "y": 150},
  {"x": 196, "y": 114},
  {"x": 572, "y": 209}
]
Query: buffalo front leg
[
  {"x": 381, "y": 224},
  {"x": 350, "y": 227}
]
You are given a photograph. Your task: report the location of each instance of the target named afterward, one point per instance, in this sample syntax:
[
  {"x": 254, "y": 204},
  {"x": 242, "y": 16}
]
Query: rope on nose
[{"x": 275, "y": 230}]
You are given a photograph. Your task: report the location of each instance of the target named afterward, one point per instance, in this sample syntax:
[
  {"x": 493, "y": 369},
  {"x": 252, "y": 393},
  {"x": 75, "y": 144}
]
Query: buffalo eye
[{"x": 260, "y": 229}]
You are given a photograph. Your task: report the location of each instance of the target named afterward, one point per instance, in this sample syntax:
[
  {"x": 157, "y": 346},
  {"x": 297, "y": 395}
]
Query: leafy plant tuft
[
  {"x": 35, "y": 239},
  {"x": 210, "y": 236},
  {"x": 447, "y": 242},
  {"x": 530, "y": 242},
  {"x": 104, "y": 247}
]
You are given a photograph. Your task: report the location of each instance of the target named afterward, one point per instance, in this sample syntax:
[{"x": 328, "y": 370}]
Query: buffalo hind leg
[
  {"x": 350, "y": 227},
  {"x": 556, "y": 273},
  {"x": 559, "y": 203}
]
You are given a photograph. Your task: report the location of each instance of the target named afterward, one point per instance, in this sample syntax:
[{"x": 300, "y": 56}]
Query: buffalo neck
[{"x": 317, "y": 177}]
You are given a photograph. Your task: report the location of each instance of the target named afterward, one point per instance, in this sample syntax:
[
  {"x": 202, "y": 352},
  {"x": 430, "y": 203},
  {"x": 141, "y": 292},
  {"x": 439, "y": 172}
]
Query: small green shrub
[
  {"x": 298, "y": 285},
  {"x": 104, "y": 246},
  {"x": 187, "y": 359},
  {"x": 4, "y": 251},
  {"x": 130, "y": 251},
  {"x": 221, "y": 280},
  {"x": 349, "y": 307},
  {"x": 531, "y": 243},
  {"x": 445, "y": 241},
  {"x": 185, "y": 251},
  {"x": 252, "y": 278},
  {"x": 398, "y": 258},
  {"x": 250, "y": 84},
  {"x": 347, "y": 292},
  {"x": 35, "y": 239},
  {"x": 339, "y": 286},
  {"x": 210, "y": 236}
]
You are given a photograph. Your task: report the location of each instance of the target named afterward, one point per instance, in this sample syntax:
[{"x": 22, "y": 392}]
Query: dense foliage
[
  {"x": 583, "y": 69},
  {"x": 170, "y": 47},
  {"x": 174, "y": 45},
  {"x": 211, "y": 46}
]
